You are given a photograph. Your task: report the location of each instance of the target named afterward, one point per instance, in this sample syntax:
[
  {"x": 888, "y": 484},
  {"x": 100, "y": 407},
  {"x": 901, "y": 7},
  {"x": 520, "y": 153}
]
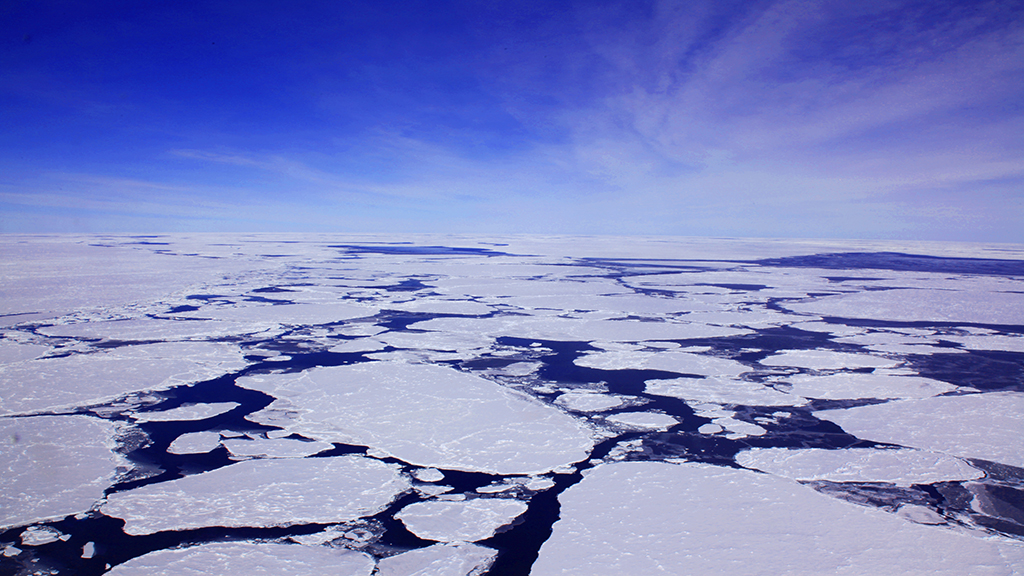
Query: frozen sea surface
[{"x": 448, "y": 405}]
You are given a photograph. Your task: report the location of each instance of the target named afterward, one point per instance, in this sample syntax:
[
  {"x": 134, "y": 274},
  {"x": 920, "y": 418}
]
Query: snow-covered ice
[
  {"x": 467, "y": 521},
  {"x": 987, "y": 426},
  {"x": 248, "y": 558},
  {"x": 426, "y": 415},
  {"x": 902, "y": 467},
  {"x": 443, "y": 559},
  {"x": 53, "y": 466},
  {"x": 655, "y": 518},
  {"x": 261, "y": 493}
]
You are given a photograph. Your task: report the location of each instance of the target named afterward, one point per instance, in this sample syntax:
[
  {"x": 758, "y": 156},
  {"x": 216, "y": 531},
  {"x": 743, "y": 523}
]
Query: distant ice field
[{"x": 461, "y": 405}]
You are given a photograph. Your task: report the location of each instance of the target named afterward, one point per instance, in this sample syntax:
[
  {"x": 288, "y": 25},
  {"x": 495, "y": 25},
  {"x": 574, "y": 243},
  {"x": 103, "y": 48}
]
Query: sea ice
[
  {"x": 466, "y": 521},
  {"x": 917, "y": 305},
  {"x": 643, "y": 420},
  {"x": 427, "y": 415},
  {"x": 852, "y": 385},
  {"x": 827, "y": 360},
  {"x": 902, "y": 467},
  {"x": 39, "y": 535},
  {"x": 192, "y": 412},
  {"x": 261, "y": 493},
  {"x": 248, "y": 558},
  {"x": 194, "y": 443},
  {"x": 669, "y": 360},
  {"x": 571, "y": 329},
  {"x": 722, "y": 391},
  {"x": 657, "y": 518},
  {"x": 445, "y": 559},
  {"x": 53, "y": 466},
  {"x": 582, "y": 402},
  {"x": 274, "y": 447},
  {"x": 987, "y": 426},
  {"x": 81, "y": 379}
]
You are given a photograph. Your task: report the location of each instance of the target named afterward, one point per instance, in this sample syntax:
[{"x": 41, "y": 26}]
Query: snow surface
[
  {"x": 861, "y": 385},
  {"x": 53, "y": 466},
  {"x": 193, "y": 412},
  {"x": 827, "y": 360},
  {"x": 454, "y": 559},
  {"x": 722, "y": 391},
  {"x": 261, "y": 493},
  {"x": 902, "y": 467},
  {"x": 80, "y": 379},
  {"x": 427, "y": 415},
  {"x": 194, "y": 443},
  {"x": 466, "y": 521},
  {"x": 249, "y": 559},
  {"x": 987, "y": 426},
  {"x": 928, "y": 304},
  {"x": 656, "y": 518},
  {"x": 643, "y": 420}
]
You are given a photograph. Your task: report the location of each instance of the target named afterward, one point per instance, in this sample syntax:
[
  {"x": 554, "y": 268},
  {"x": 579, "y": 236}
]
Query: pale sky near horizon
[{"x": 813, "y": 119}]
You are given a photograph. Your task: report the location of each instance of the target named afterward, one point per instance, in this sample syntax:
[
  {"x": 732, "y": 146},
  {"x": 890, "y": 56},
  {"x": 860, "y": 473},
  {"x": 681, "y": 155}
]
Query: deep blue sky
[{"x": 859, "y": 119}]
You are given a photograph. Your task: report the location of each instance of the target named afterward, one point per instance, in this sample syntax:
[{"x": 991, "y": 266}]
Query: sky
[{"x": 810, "y": 119}]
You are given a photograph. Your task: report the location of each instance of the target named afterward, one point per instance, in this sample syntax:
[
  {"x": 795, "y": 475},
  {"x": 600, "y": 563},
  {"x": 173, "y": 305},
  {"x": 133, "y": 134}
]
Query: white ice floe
[
  {"x": 426, "y": 415},
  {"x": 261, "y": 493},
  {"x": 670, "y": 360},
  {"x": 827, "y": 360},
  {"x": 571, "y": 329},
  {"x": 582, "y": 402},
  {"x": 81, "y": 379},
  {"x": 987, "y": 426},
  {"x": 988, "y": 342},
  {"x": 53, "y": 466},
  {"x": 274, "y": 447},
  {"x": 913, "y": 305},
  {"x": 722, "y": 420},
  {"x": 445, "y": 559},
  {"x": 658, "y": 518},
  {"x": 722, "y": 391},
  {"x": 466, "y": 521},
  {"x": 438, "y": 306},
  {"x": 428, "y": 475},
  {"x": 150, "y": 329},
  {"x": 643, "y": 420},
  {"x": 250, "y": 559},
  {"x": 902, "y": 467},
  {"x": 289, "y": 314},
  {"x": 194, "y": 443},
  {"x": 39, "y": 535},
  {"x": 192, "y": 412},
  {"x": 851, "y": 385},
  {"x": 11, "y": 351}
]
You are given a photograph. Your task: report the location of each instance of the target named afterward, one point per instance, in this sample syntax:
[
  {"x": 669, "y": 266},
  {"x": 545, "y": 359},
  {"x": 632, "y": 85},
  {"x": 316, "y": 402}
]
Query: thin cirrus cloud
[{"x": 786, "y": 118}]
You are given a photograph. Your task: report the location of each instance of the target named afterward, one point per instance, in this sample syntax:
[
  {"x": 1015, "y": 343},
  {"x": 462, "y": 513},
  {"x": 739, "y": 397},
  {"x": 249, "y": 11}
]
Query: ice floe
[
  {"x": 426, "y": 415},
  {"x": 827, "y": 360},
  {"x": 916, "y": 305},
  {"x": 987, "y": 426},
  {"x": 193, "y": 412},
  {"x": 467, "y": 521},
  {"x": 658, "y": 518},
  {"x": 443, "y": 559},
  {"x": 583, "y": 402},
  {"x": 643, "y": 420},
  {"x": 194, "y": 443},
  {"x": 53, "y": 466},
  {"x": 261, "y": 493},
  {"x": 274, "y": 447},
  {"x": 902, "y": 467},
  {"x": 81, "y": 379},
  {"x": 248, "y": 558},
  {"x": 722, "y": 391},
  {"x": 860, "y": 385}
]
